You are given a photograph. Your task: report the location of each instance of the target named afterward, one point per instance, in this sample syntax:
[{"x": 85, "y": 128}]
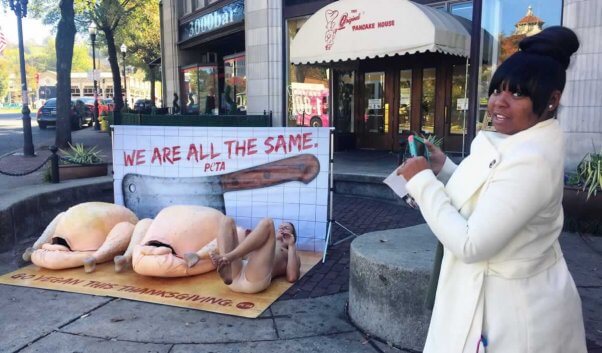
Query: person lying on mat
[
  {"x": 85, "y": 234},
  {"x": 160, "y": 247},
  {"x": 248, "y": 260}
]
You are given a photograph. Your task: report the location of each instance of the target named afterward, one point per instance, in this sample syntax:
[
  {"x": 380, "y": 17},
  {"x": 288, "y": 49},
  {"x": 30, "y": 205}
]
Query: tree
[
  {"x": 141, "y": 34},
  {"x": 65, "y": 38},
  {"x": 82, "y": 61},
  {"x": 108, "y": 16}
]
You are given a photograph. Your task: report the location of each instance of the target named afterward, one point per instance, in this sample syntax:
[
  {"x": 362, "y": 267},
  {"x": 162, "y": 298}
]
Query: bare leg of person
[
  {"x": 227, "y": 241},
  {"x": 205, "y": 252},
  {"x": 121, "y": 261},
  {"x": 260, "y": 251},
  {"x": 258, "y": 246}
]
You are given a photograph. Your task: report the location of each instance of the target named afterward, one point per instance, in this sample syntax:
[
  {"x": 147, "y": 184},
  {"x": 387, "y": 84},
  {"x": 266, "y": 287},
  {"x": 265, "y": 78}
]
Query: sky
[
  {"x": 32, "y": 29},
  {"x": 513, "y": 10}
]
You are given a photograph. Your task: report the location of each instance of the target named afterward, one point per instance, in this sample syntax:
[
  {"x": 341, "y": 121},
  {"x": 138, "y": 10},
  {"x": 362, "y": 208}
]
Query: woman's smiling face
[{"x": 511, "y": 112}]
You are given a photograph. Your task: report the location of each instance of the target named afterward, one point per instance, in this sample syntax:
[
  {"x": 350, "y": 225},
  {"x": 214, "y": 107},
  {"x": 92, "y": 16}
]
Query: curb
[{"x": 27, "y": 211}]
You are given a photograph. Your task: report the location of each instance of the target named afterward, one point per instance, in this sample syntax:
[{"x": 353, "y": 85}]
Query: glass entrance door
[
  {"x": 457, "y": 109},
  {"x": 374, "y": 102},
  {"x": 343, "y": 109},
  {"x": 404, "y": 115},
  {"x": 428, "y": 106},
  {"x": 374, "y": 125}
]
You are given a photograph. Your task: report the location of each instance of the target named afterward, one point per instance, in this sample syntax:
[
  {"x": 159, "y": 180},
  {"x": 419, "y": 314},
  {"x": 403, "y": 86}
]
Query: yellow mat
[{"x": 203, "y": 292}]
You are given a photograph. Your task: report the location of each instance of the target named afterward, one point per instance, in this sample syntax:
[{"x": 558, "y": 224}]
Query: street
[{"x": 11, "y": 132}]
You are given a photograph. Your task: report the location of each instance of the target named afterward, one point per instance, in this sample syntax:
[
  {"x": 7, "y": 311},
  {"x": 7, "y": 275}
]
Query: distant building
[
  {"x": 82, "y": 85},
  {"x": 529, "y": 25},
  {"x": 525, "y": 27}
]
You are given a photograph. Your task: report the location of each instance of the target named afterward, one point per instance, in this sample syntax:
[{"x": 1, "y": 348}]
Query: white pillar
[
  {"x": 580, "y": 114},
  {"x": 263, "y": 40},
  {"x": 170, "y": 56}
]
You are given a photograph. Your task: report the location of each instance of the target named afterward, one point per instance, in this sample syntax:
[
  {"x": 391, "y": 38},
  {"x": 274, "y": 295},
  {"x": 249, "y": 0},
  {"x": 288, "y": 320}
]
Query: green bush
[
  {"x": 79, "y": 154},
  {"x": 589, "y": 174}
]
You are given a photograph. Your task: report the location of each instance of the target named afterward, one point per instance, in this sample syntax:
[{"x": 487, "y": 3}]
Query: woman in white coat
[{"x": 504, "y": 286}]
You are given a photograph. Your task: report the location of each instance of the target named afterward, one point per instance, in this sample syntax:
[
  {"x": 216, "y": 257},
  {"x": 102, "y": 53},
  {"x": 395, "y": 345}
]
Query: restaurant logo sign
[
  {"x": 209, "y": 22},
  {"x": 353, "y": 20}
]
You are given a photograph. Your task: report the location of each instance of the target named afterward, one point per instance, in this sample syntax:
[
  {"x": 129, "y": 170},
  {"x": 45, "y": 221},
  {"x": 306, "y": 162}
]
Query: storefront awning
[{"x": 359, "y": 29}]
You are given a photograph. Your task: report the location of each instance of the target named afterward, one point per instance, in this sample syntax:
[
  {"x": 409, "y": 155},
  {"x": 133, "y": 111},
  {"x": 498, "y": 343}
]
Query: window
[
  {"x": 185, "y": 6},
  {"x": 308, "y": 92},
  {"x": 88, "y": 91},
  {"x": 405, "y": 95},
  {"x": 427, "y": 116},
  {"x": 235, "y": 85},
  {"x": 75, "y": 91},
  {"x": 504, "y": 25},
  {"x": 458, "y": 8},
  {"x": 462, "y": 9},
  {"x": 374, "y": 105},
  {"x": 199, "y": 87},
  {"x": 459, "y": 100},
  {"x": 344, "y": 108},
  {"x": 199, "y": 4},
  {"x": 190, "y": 92}
]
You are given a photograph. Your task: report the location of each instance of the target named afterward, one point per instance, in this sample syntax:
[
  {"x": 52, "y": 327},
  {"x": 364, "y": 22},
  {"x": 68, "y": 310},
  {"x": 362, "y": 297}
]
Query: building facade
[
  {"x": 251, "y": 56},
  {"x": 223, "y": 57},
  {"x": 82, "y": 85}
]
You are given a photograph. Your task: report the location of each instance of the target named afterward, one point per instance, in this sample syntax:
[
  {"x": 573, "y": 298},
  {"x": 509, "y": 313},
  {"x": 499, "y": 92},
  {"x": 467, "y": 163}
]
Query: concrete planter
[
  {"x": 77, "y": 171},
  {"x": 389, "y": 274},
  {"x": 580, "y": 212}
]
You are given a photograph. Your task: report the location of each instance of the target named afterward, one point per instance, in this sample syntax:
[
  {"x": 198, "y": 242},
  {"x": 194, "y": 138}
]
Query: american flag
[{"x": 2, "y": 41}]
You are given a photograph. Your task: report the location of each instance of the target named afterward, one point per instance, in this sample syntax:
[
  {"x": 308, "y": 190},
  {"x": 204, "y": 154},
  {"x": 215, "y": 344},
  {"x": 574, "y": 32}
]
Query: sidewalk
[
  {"x": 309, "y": 317},
  {"x": 17, "y": 163}
]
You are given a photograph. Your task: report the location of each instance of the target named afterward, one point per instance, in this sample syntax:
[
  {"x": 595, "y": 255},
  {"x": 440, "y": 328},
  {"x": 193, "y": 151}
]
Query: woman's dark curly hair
[{"x": 539, "y": 68}]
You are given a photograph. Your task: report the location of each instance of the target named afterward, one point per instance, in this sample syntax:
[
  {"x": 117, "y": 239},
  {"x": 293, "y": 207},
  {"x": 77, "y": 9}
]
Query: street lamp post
[
  {"x": 92, "y": 31},
  {"x": 20, "y": 9},
  {"x": 124, "y": 49}
]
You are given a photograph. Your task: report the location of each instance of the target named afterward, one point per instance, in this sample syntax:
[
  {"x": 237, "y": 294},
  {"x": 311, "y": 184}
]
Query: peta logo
[{"x": 245, "y": 305}]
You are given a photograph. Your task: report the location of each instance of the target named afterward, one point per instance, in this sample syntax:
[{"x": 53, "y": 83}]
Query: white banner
[{"x": 250, "y": 173}]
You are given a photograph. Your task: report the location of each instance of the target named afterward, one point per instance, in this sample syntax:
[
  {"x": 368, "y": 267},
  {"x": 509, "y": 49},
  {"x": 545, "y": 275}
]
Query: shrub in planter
[
  {"x": 582, "y": 199},
  {"x": 81, "y": 162},
  {"x": 79, "y": 154}
]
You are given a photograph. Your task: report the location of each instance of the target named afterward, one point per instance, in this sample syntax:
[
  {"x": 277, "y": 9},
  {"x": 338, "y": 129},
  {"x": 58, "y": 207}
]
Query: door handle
[
  {"x": 386, "y": 118},
  {"x": 446, "y": 115}
]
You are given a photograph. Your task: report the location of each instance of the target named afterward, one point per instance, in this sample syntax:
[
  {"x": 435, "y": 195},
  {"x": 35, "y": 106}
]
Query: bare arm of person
[{"x": 293, "y": 262}]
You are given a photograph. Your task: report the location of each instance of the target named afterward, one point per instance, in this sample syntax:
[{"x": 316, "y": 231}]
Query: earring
[{"x": 550, "y": 106}]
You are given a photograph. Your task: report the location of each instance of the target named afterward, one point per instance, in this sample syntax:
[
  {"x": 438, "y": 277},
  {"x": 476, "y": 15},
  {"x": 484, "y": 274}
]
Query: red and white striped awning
[{"x": 359, "y": 29}]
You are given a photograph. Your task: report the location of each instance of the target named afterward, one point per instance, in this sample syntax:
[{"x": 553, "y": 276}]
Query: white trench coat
[{"x": 503, "y": 275}]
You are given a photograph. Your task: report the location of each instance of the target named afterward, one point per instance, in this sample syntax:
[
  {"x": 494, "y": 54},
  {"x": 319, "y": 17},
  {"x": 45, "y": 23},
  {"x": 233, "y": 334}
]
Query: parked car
[
  {"x": 102, "y": 104},
  {"x": 79, "y": 114},
  {"x": 143, "y": 106},
  {"x": 109, "y": 103}
]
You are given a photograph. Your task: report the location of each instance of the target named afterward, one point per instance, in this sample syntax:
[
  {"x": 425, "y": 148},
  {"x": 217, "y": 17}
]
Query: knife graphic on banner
[{"x": 146, "y": 195}]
